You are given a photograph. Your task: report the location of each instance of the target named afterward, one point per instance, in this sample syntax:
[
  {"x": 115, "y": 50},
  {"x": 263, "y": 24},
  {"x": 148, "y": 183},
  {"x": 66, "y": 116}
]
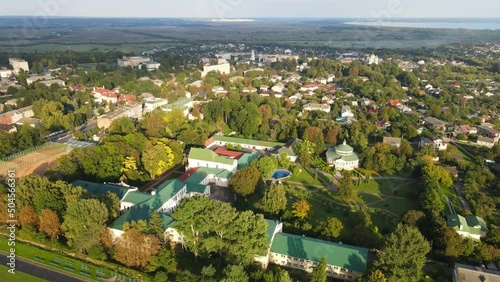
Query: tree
[
  {"x": 135, "y": 249},
  {"x": 50, "y": 199},
  {"x": 174, "y": 120},
  {"x": 122, "y": 126},
  {"x": 165, "y": 260},
  {"x": 304, "y": 150},
  {"x": 244, "y": 181},
  {"x": 28, "y": 216},
  {"x": 403, "y": 255},
  {"x": 346, "y": 190},
  {"x": 112, "y": 203},
  {"x": 212, "y": 227},
  {"x": 284, "y": 161},
  {"x": 432, "y": 202},
  {"x": 155, "y": 225},
  {"x": 449, "y": 243},
  {"x": 274, "y": 200},
  {"x": 376, "y": 276},
  {"x": 301, "y": 209},
  {"x": 235, "y": 273},
  {"x": 84, "y": 223},
  {"x": 413, "y": 217},
  {"x": 319, "y": 273},
  {"x": 331, "y": 135},
  {"x": 49, "y": 223},
  {"x": 331, "y": 228},
  {"x": 265, "y": 165},
  {"x": 157, "y": 158}
]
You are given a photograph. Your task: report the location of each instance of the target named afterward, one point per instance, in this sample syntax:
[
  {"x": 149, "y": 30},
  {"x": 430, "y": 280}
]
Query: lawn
[
  {"x": 62, "y": 263},
  {"x": 304, "y": 177},
  {"x": 397, "y": 206},
  {"x": 365, "y": 198},
  {"x": 453, "y": 198},
  {"x": 17, "y": 277},
  {"x": 379, "y": 187}
]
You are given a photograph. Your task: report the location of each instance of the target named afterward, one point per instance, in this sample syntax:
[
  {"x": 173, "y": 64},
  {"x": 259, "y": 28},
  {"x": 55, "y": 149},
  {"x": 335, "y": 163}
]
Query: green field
[
  {"x": 62, "y": 263},
  {"x": 304, "y": 177},
  {"x": 17, "y": 277}
]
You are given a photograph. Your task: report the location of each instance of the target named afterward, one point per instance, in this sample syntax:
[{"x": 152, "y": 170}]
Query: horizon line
[{"x": 235, "y": 18}]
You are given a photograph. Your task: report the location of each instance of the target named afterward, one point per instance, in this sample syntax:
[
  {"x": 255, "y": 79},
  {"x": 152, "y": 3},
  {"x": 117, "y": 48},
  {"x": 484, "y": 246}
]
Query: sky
[{"x": 378, "y": 9}]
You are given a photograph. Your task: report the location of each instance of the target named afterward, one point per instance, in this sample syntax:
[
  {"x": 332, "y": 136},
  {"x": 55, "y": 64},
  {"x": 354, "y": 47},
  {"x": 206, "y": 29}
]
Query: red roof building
[
  {"x": 126, "y": 98},
  {"x": 228, "y": 153}
]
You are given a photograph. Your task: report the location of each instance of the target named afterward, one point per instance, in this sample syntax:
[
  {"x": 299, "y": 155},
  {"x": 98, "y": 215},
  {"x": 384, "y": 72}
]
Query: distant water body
[{"x": 445, "y": 25}]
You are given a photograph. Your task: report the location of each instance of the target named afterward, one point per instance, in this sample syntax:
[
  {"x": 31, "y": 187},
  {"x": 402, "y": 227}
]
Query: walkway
[
  {"x": 39, "y": 270},
  {"x": 458, "y": 186}
]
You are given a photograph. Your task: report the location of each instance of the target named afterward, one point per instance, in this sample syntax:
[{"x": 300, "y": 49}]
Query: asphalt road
[{"x": 38, "y": 270}]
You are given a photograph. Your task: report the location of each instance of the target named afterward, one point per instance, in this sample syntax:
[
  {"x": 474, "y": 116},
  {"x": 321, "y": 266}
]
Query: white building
[
  {"x": 342, "y": 157},
  {"x": 346, "y": 112},
  {"x": 317, "y": 107},
  {"x": 209, "y": 159},
  {"x": 486, "y": 142},
  {"x": 133, "y": 62},
  {"x": 5, "y": 73},
  {"x": 18, "y": 65},
  {"x": 154, "y": 103},
  {"x": 436, "y": 142},
  {"x": 224, "y": 68},
  {"x": 372, "y": 59}
]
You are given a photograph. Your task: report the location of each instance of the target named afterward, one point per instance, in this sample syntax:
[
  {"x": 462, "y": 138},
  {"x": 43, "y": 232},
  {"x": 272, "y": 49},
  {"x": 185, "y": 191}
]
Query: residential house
[
  {"x": 465, "y": 129},
  {"x": 435, "y": 123},
  {"x": 5, "y": 73},
  {"x": 290, "y": 149},
  {"x": 486, "y": 142},
  {"x": 436, "y": 142},
  {"x": 309, "y": 88},
  {"x": 317, "y": 107},
  {"x": 383, "y": 125},
  {"x": 33, "y": 122},
  {"x": 468, "y": 273},
  {"x": 346, "y": 112},
  {"x": 9, "y": 128},
  {"x": 12, "y": 117},
  {"x": 18, "y": 65},
  {"x": 278, "y": 87},
  {"x": 104, "y": 95},
  {"x": 489, "y": 131},
  {"x": 393, "y": 141},
  {"x": 470, "y": 226},
  {"x": 126, "y": 99}
]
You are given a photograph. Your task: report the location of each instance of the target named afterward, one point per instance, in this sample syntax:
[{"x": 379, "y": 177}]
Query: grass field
[
  {"x": 62, "y": 263},
  {"x": 304, "y": 177},
  {"x": 17, "y": 277}
]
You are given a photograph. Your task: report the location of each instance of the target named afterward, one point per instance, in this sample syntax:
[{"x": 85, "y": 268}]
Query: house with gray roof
[{"x": 469, "y": 273}]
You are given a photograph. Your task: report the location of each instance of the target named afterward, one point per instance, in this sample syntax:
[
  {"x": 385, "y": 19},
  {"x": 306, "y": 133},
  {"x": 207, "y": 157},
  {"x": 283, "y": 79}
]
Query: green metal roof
[
  {"x": 201, "y": 173},
  {"x": 247, "y": 159},
  {"x": 180, "y": 104},
  {"x": 473, "y": 221},
  {"x": 332, "y": 155},
  {"x": 271, "y": 226},
  {"x": 100, "y": 188},
  {"x": 455, "y": 221},
  {"x": 136, "y": 197},
  {"x": 167, "y": 221},
  {"x": 143, "y": 210},
  {"x": 251, "y": 142},
  {"x": 196, "y": 188},
  {"x": 345, "y": 256},
  {"x": 208, "y": 155}
]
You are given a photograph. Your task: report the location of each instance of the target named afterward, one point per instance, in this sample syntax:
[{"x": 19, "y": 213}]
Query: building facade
[{"x": 342, "y": 157}]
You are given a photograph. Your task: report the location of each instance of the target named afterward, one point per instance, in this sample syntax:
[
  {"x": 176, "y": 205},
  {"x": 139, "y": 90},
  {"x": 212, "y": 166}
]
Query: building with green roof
[
  {"x": 301, "y": 252},
  {"x": 223, "y": 141},
  {"x": 467, "y": 228},
  {"x": 163, "y": 200},
  {"x": 209, "y": 159},
  {"x": 208, "y": 176},
  {"x": 342, "y": 157}
]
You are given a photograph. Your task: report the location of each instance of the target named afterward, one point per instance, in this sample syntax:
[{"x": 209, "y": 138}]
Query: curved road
[{"x": 38, "y": 270}]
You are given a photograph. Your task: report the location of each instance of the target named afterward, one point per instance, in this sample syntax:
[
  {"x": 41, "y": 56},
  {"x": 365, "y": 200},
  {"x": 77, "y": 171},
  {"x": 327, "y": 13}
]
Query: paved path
[
  {"x": 458, "y": 186},
  {"x": 39, "y": 270}
]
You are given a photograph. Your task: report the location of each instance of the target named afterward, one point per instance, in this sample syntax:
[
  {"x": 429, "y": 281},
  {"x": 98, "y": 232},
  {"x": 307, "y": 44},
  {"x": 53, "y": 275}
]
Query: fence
[
  {"x": 58, "y": 149},
  {"x": 29, "y": 151}
]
